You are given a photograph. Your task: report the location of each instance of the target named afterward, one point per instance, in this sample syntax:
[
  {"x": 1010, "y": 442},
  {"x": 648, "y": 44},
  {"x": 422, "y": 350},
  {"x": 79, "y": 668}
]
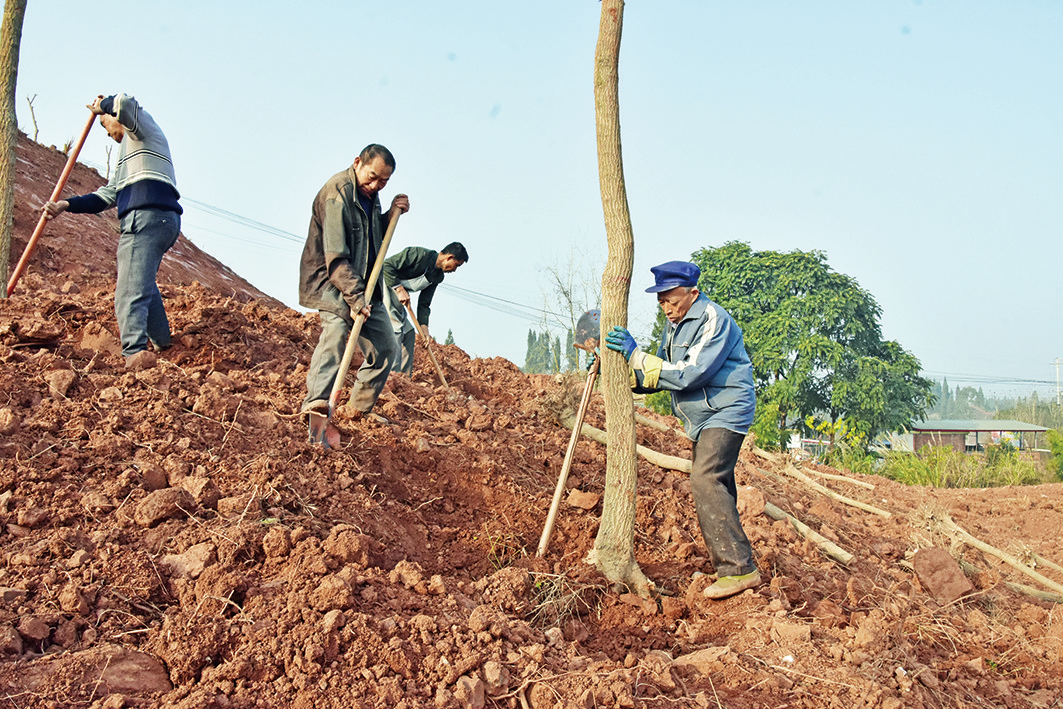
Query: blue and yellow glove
[{"x": 620, "y": 340}]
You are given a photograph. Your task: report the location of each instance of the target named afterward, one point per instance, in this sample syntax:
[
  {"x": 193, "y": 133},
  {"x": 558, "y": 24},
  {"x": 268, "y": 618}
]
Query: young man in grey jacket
[
  {"x": 144, "y": 189},
  {"x": 703, "y": 362}
]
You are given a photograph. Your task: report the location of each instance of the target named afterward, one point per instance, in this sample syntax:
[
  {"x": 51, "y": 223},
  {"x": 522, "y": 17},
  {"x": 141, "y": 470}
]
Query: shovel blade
[
  {"x": 322, "y": 431},
  {"x": 587, "y": 330}
]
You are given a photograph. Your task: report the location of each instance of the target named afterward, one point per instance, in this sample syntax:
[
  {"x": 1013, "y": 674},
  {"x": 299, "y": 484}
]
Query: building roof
[{"x": 970, "y": 426}]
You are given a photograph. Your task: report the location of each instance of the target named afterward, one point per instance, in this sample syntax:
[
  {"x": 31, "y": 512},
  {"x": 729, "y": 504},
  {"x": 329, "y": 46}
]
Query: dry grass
[{"x": 558, "y": 598}]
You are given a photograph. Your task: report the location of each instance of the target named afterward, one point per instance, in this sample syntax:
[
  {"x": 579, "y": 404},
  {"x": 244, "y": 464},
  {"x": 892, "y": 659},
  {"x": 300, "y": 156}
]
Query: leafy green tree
[
  {"x": 537, "y": 359},
  {"x": 450, "y": 338},
  {"x": 544, "y": 354},
  {"x": 814, "y": 338}
]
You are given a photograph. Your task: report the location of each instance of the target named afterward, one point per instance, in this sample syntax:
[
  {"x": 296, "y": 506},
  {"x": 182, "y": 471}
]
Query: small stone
[
  {"x": 71, "y": 600},
  {"x": 469, "y": 691},
  {"x": 33, "y": 629},
  {"x": 333, "y": 593},
  {"x": 96, "y": 503},
  {"x": 32, "y": 517},
  {"x": 162, "y": 505},
  {"x": 9, "y": 422},
  {"x": 238, "y": 505},
  {"x": 145, "y": 359},
  {"x": 78, "y": 559},
  {"x": 496, "y": 678},
  {"x": 704, "y": 661},
  {"x": 277, "y": 543},
  {"x": 12, "y": 597},
  {"x": 10, "y": 641},
  {"x": 408, "y": 573},
  {"x": 192, "y": 562},
  {"x": 96, "y": 338},
  {"x": 152, "y": 476},
  {"x": 59, "y": 382},
  {"x": 750, "y": 502},
  {"x": 583, "y": 500},
  {"x": 436, "y": 587},
  {"x": 786, "y": 633},
  {"x": 204, "y": 490},
  {"x": 111, "y": 394},
  {"x": 941, "y": 574}
]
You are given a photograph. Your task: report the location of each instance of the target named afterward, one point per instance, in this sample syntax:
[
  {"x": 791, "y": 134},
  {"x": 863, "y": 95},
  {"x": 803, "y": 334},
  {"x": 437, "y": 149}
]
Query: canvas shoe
[{"x": 727, "y": 586}]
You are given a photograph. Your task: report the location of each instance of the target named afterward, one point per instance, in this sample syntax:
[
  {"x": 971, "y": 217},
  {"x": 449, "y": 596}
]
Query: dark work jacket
[{"x": 334, "y": 267}]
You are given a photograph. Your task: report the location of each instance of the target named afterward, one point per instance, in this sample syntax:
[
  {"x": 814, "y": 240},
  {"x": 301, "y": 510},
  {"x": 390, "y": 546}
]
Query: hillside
[{"x": 170, "y": 538}]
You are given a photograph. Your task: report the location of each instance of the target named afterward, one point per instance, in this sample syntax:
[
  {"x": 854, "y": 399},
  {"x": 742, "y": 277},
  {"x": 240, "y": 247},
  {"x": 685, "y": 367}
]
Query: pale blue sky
[{"x": 917, "y": 143}]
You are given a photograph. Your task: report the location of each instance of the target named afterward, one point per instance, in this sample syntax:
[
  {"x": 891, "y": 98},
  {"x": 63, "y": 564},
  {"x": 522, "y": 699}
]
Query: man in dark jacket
[
  {"x": 416, "y": 270},
  {"x": 342, "y": 244},
  {"x": 703, "y": 362}
]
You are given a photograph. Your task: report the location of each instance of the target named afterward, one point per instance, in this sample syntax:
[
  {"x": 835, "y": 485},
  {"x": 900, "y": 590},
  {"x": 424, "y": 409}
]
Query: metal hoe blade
[{"x": 588, "y": 330}]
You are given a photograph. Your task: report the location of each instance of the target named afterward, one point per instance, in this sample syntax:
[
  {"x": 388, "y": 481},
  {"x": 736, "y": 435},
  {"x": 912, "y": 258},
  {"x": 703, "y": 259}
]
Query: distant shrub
[
  {"x": 939, "y": 466},
  {"x": 660, "y": 401},
  {"x": 1055, "y": 444}
]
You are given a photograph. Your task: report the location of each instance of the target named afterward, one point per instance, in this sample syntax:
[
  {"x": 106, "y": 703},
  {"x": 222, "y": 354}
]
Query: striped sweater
[{"x": 144, "y": 175}]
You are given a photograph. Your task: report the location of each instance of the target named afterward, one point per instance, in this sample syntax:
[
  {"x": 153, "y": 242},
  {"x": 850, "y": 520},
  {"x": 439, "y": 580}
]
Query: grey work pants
[
  {"x": 406, "y": 339},
  {"x": 712, "y": 478},
  {"x": 377, "y": 342}
]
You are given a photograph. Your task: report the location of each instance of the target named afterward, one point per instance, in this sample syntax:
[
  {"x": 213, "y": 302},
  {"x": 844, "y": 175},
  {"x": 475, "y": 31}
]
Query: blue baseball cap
[{"x": 673, "y": 275}]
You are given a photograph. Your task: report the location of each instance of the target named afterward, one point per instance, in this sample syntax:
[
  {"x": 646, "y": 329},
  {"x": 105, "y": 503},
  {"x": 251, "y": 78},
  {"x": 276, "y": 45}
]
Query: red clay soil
[{"x": 170, "y": 537}]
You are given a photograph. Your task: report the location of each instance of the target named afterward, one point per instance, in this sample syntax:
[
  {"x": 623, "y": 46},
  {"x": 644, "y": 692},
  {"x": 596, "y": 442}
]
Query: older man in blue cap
[{"x": 703, "y": 362}]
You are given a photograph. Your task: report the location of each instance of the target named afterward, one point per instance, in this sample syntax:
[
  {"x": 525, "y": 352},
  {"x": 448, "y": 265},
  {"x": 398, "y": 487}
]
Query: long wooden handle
[
  {"x": 427, "y": 345},
  {"x": 31, "y": 245},
  {"x": 551, "y": 518},
  {"x": 352, "y": 341}
]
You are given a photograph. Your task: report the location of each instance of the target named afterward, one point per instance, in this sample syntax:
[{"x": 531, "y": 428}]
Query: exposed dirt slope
[
  {"x": 85, "y": 243},
  {"x": 169, "y": 538}
]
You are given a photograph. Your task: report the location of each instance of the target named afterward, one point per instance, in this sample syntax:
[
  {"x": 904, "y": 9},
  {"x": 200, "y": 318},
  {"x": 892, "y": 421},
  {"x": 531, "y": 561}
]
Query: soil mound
[{"x": 169, "y": 537}]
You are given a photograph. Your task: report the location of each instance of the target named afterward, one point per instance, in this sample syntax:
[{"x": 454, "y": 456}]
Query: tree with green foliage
[
  {"x": 537, "y": 359},
  {"x": 450, "y": 338},
  {"x": 544, "y": 354},
  {"x": 815, "y": 341}
]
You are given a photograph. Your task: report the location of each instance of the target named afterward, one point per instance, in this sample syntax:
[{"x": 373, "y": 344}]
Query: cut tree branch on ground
[
  {"x": 954, "y": 530},
  {"x": 825, "y": 545},
  {"x": 661, "y": 460},
  {"x": 839, "y": 478},
  {"x": 639, "y": 418},
  {"x": 1035, "y": 592},
  {"x": 793, "y": 472},
  {"x": 782, "y": 461}
]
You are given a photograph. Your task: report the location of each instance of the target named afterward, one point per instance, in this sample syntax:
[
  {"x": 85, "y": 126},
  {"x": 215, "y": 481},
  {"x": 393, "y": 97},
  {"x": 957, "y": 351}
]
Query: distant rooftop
[{"x": 971, "y": 425}]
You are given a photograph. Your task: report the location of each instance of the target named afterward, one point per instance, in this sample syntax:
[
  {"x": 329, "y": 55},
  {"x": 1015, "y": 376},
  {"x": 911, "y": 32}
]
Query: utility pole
[{"x": 1059, "y": 400}]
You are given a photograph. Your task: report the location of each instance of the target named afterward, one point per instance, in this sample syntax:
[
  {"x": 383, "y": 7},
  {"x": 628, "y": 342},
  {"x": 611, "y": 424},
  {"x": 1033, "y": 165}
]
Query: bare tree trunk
[
  {"x": 10, "y": 39},
  {"x": 614, "y": 547}
]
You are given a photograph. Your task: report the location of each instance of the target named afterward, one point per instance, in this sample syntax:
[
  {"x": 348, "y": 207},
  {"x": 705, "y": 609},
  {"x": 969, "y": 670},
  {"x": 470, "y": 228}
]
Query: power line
[
  {"x": 986, "y": 378},
  {"x": 243, "y": 221}
]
